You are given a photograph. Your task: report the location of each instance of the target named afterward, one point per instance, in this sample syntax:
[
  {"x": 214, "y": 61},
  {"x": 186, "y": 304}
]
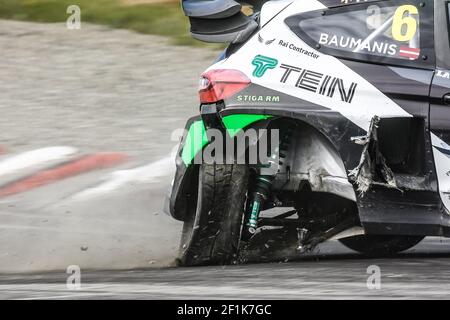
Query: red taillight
[{"x": 216, "y": 85}]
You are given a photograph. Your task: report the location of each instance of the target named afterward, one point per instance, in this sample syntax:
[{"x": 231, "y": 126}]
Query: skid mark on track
[
  {"x": 34, "y": 158},
  {"x": 145, "y": 174},
  {"x": 70, "y": 169}
]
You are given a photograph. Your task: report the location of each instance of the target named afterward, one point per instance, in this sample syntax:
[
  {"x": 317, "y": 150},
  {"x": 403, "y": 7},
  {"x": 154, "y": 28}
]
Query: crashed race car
[{"x": 347, "y": 104}]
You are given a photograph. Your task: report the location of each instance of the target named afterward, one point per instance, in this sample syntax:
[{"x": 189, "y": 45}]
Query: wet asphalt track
[{"x": 422, "y": 273}]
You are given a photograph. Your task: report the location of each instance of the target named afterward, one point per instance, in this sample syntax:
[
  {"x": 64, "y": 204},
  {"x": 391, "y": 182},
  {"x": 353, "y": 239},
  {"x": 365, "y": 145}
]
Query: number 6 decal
[{"x": 400, "y": 20}]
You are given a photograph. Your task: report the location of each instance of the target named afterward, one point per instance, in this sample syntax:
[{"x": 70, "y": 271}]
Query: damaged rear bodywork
[{"x": 373, "y": 168}]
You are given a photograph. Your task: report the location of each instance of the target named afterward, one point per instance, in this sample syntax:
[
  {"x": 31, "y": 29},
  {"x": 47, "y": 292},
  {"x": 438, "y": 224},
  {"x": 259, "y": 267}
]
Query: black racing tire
[
  {"x": 212, "y": 230},
  {"x": 380, "y": 245}
]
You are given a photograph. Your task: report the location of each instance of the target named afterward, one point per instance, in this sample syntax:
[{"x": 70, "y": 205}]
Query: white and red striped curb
[
  {"x": 40, "y": 167},
  {"x": 50, "y": 165},
  {"x": 144, "y": 174},
  {"x": 35, "y": 158}
]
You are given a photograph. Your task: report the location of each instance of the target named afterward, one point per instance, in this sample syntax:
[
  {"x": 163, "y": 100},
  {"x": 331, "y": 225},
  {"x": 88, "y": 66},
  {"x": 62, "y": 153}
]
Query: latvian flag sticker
[{"x": 411, "y": 53}]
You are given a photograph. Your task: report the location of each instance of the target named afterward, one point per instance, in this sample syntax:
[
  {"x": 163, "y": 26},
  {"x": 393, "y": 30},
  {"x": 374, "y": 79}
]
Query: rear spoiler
[{"x": 221, "y": 21}]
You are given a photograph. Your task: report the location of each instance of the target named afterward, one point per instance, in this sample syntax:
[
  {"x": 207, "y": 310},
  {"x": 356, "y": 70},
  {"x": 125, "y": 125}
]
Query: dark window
[{"x": 390, "y": 32}]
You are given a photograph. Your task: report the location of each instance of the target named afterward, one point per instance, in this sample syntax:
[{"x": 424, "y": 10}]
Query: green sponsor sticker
[{"x": 262, "y": 64}]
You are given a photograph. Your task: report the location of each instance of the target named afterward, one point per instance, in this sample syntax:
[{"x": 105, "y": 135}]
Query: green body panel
[
  {"x": 237, "y": 122},
  {"x": 196, "y": 138}
]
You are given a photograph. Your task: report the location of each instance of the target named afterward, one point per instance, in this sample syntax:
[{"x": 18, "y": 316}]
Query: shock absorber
[{"x": 260, "y": 191}]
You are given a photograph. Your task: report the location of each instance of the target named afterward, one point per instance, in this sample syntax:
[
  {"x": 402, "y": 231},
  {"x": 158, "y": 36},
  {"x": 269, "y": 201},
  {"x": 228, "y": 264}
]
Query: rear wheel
[
  {"x": 381, "y": 244},
  {"x": 212, "y": 230}
]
